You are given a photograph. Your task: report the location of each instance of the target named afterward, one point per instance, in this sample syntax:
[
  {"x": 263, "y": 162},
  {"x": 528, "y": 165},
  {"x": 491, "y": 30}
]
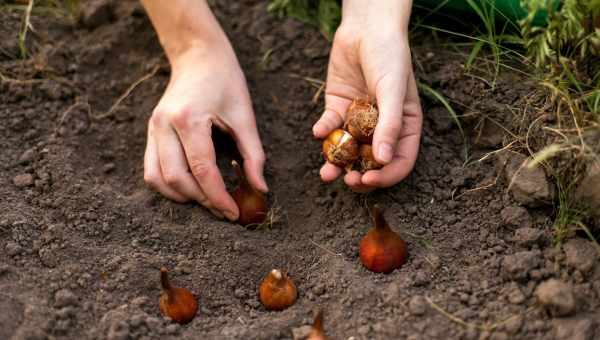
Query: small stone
[
  {"x": 528, "y": 236},
  {"x": 513, "y": 325},
  {"x": 581, "y": 254},
  {"x": 108, "y": 168},
  {"x": 239, "y": 293},
  {"x": 588, "y": 191},
  {"x": 301, "y": 333},
  {"x": 319, "y": 289},
  {"x": 529, "y": 187},
  {"x": 118, "y": 331},
  {"x": 578, "y": 328},
  {"x": 64, "y": 297},
  {"x": 13, "y": 249},
  {"x": 557, "y": 297},
  {"x": 172, "y": 328},
  {"x": 137, "y": 320},
  {"x": 517, "y": 266},
  {"x": 515, "y": 295},
  {"x": 23, "y": 180},
  {"x": 417, "y": 305},
  {"x": 27, "y": 156},
  {"x": 515, "y": 216}
]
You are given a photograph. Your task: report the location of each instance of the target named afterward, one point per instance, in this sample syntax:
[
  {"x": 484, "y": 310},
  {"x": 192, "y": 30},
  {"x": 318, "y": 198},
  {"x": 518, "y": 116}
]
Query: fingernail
[
  {"x": 385, "y": 152},
  {"x": 230, "y": 215}
]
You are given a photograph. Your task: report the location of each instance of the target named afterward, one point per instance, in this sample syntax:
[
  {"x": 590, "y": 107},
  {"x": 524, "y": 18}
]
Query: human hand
[
  {"x": 370, "y": 57},
  {"x": 207, "y": 87}
]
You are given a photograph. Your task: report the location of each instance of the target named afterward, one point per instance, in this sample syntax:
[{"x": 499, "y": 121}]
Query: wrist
[{"x": 380, "y": 14}]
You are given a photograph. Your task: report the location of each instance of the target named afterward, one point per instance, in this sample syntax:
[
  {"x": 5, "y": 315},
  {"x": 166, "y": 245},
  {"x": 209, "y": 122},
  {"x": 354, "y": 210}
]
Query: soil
[{"x": 82, "y": 238}]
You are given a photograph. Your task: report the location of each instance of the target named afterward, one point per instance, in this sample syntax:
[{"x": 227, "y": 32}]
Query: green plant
[{"x": 325, "y": 14}]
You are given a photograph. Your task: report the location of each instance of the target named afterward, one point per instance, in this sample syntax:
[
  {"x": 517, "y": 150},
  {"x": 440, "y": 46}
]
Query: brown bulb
[
  {"x": 179, "y": 304},
  {"x": 381, "y": 249},
  {"x": 361, "y": 120},
  {"x": 277, "y": 291},
  {"x": 340, "y": 148},
  {"x": 367, "y": 160},
  {"x": 317, "y": 332},
  {"x": 251, "y": 202}
]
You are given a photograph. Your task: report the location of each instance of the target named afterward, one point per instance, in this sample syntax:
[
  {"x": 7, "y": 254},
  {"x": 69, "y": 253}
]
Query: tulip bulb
[
  {"x": 361, "y": 120},
  {"x": 251, "y": 203},
  {"x": 179, "y": 304},
  {"x": 317, "y": 332},
  {"x": 340, "y": 148},
  {"x": 381, "y": 249},
  {"x": 277, "y": 291},
  {"x": 367, "y": 160}
]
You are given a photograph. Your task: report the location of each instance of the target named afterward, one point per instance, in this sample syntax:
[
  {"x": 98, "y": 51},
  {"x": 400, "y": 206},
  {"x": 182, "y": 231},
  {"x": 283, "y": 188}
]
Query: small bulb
[
  {"x": 340, "y": 148},
  {"x": 361, "y": 120},
  {"x": 277, "y": 291},
  {"x": 381, "y": 249},
  {"x": 179, "y": 304},
  {"x": 251, "y": 203},
  {"x": 367, "y": 160},
  {"x": 317, "y": 332}
]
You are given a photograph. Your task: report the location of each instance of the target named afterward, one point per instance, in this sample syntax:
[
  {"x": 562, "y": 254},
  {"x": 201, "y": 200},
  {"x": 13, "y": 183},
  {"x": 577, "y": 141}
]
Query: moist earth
[{"x": 82, "y": 238}]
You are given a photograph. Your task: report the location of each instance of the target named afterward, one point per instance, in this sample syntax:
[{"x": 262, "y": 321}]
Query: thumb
[
  {"x": 250, "y": 147},
  {"x": 390, "y": 93}
]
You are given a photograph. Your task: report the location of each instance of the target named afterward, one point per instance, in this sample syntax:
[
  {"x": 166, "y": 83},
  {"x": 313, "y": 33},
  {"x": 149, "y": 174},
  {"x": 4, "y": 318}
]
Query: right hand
[{"x": 207, "y": 87}]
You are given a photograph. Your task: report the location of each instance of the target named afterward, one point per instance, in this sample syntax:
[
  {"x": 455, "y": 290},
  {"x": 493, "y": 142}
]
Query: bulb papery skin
[
  {"x": 252, "y": 204},
  {"x": 361, "y": 121},
  {"x": 179, "y": 304},
  {"x": 381, "y": 249},
  {"x": 277, "y": 291},
  {"x": 340, "y": 148},
  {"x": 367, "y": 160}
]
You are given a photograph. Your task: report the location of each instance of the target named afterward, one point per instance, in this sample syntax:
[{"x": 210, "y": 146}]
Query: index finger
[{"x": 196, "y": 137}]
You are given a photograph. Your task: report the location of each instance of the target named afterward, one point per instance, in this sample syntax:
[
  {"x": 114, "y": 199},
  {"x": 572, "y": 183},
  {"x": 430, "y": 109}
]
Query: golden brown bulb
[
  {"x": 277, "y": 291},
  {"x": 251, "y": 203},
  {"x": 340, "y": 148},
  {"x": 367, "y": 160},
  {"x": 361, "y": 120},
  {"x": 381, "y": 249},
  {"x": 317, "y": 332},
  {"x": 177, "y": 303}
]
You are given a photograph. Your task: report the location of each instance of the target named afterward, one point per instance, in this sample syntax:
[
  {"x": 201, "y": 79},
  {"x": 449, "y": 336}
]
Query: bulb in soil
[
  {"x": 361, "y": 120},
  {"x": 367, "y": 160},
  {"x": 277, "y": 291},
  {"x": 340, "y": 148},
  {"x": 177, "y": 303},
  {"x": 381, "y": 249},
  {"x": 251, "y": 203},
  {"x": 317, "y": 332}
]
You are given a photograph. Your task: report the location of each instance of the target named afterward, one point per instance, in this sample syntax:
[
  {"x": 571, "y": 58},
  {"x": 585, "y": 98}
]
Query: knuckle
[
  {"x": 344, "y": 37},
  {"x": 180, "y": 118},
  {"x": 200, "y": 168},
  {"x": 151, "y": 179},
  {"x": 171, "y": 177}
]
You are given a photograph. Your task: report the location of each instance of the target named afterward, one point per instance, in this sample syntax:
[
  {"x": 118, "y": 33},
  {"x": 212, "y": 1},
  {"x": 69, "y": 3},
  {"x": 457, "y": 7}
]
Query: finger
[
  {"x": 174, "y": 167},
  {"x": 353, "y": 180},
  {"x": 407, "y": 146},
  {"x": 248, "y": 142},
  {"x": 153, "y": 174},
  {"x": 395, "y": 171},
  {"x": 390, "y": 92},
  {"x": 334, "y": 115},
  {"x": 196, "y": 136},
  {"x": 330, "y": 172}
]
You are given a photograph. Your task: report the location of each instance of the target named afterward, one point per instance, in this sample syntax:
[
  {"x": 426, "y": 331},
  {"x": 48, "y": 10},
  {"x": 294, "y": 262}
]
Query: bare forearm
[
  {"x": 393, "y": 12},
  {"x": 184, "y": 24}
]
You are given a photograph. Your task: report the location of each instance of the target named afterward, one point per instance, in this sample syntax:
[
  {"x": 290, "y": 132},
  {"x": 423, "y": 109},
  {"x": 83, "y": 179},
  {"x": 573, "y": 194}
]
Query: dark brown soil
[{"x": 82, "y": 238}]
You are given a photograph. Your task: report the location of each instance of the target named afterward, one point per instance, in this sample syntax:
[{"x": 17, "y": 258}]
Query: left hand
[{"x": 370, "y": 57}]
